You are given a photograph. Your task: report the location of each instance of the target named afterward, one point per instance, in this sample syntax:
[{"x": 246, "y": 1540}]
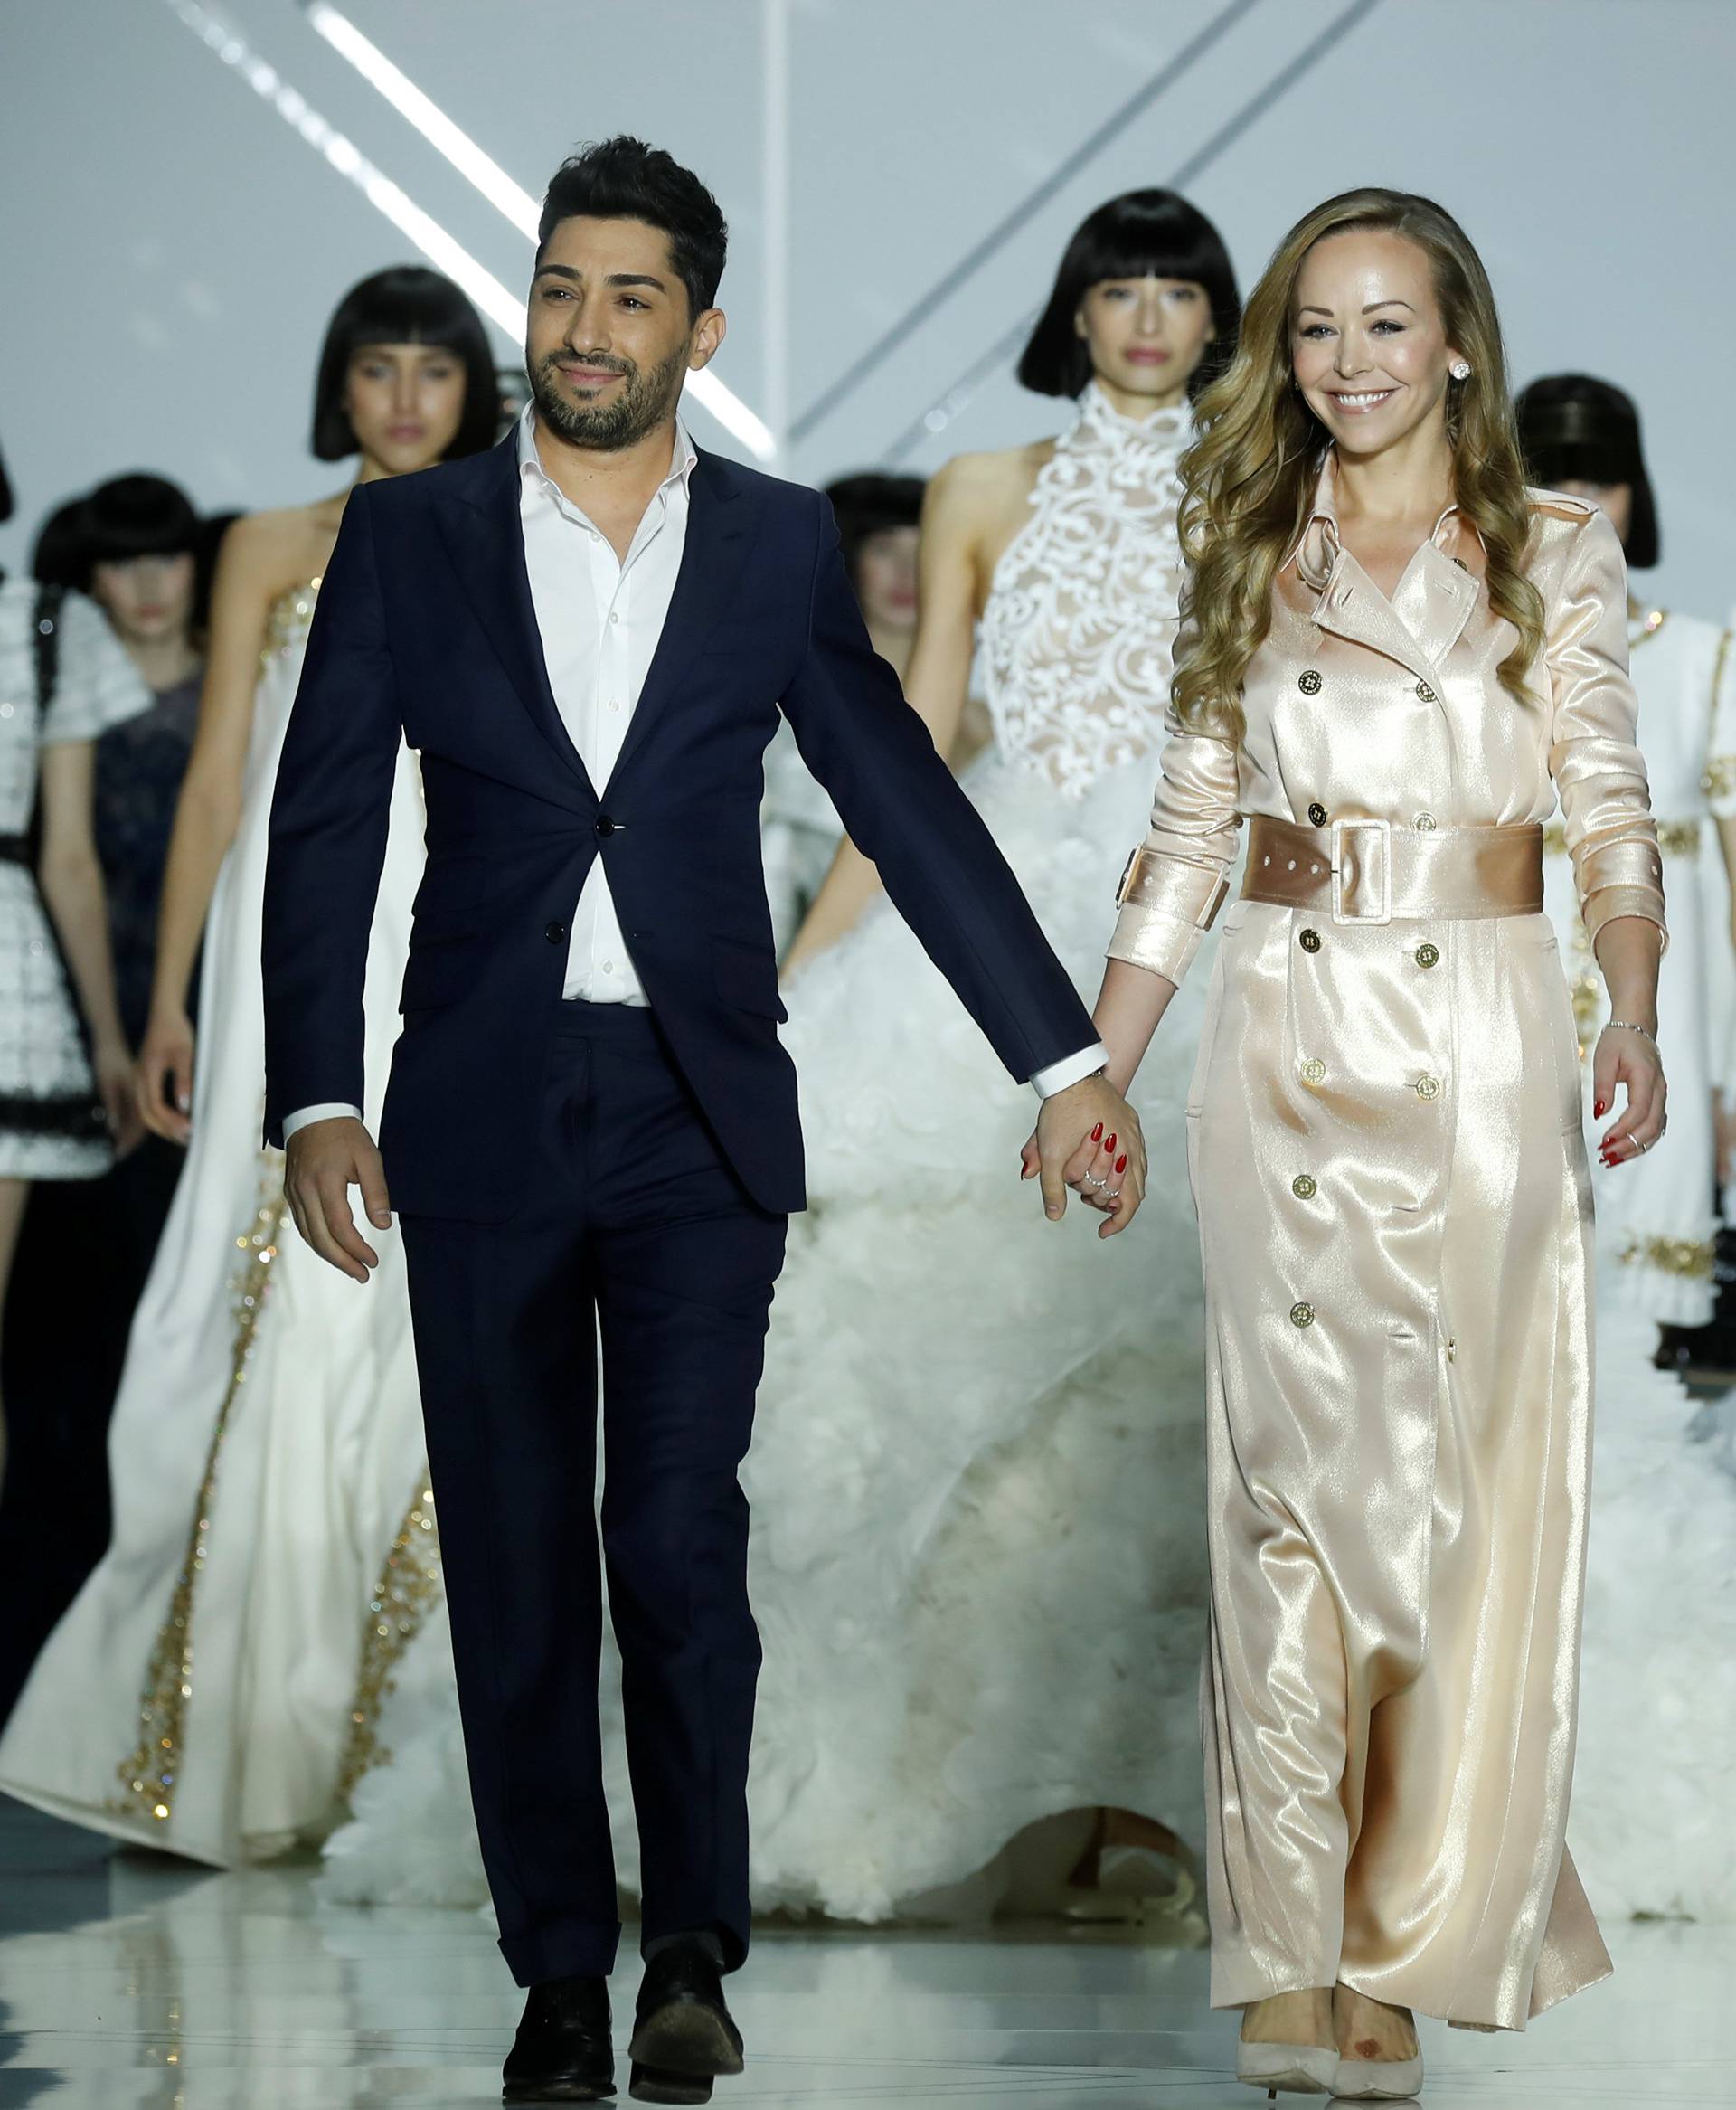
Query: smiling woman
[{"x": 1394, "y": 660}]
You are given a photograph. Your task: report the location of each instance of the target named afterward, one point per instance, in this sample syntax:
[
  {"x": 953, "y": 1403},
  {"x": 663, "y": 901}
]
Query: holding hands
[{"x": 1088, "y": 1138}]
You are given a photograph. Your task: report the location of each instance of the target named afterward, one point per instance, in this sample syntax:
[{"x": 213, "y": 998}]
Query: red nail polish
[
  {"x": 1121, "y": 1163},
  {"x": 1597, "y": 1111},
  {"x": 1110, "y": 1144},
  {"x": 1096, "y": 1133}
]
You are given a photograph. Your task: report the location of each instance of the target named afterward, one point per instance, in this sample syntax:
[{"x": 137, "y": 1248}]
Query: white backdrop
[{"x": 170, "y": 245}]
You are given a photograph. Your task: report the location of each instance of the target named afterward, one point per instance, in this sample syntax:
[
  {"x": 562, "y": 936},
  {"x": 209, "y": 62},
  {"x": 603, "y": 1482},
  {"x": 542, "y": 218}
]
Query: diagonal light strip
[
  {"x": 430, "y": 119},
  {"x": 950, "y": 283},
  {"x": 947, "y": 407},
  {"x": 501, "y": 307},
  {"x": 486, "y": 176}
]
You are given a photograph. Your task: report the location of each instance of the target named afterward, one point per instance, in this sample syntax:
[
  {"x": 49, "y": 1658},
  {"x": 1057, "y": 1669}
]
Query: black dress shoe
[
  {"x": 683, "y": 2033},
  {"x": 562, "y": 2052}
]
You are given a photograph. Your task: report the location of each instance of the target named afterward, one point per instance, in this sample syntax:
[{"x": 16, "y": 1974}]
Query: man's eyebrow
[{"x": 613, "y": 277}]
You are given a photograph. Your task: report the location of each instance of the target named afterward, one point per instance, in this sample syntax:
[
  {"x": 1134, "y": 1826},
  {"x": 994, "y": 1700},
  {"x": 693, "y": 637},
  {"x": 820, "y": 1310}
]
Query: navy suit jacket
[{"x": 425, "y": 626}]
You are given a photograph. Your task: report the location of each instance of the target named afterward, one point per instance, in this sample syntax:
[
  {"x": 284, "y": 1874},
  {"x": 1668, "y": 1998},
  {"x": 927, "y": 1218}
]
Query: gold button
[
  {"x": 1308, "y": 682},
  {"x": 1424, "y": 823},
  {"x": 1424, "y": 693},
  {"x": 1314, "y": 1071},
  {"x": 1317, "y": 814},
  {"x": 1309, "y": 941},
  {"x": 1301, "y": 1314},
  {"x": 1427, "y": 955},
  {"x": 1428, "y": 1087},
  {"x": 1303, "y": 1188}
]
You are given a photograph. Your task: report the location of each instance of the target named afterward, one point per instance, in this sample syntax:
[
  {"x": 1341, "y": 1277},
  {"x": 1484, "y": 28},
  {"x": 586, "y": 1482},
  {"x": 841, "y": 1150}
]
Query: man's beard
[{"x": 642, "y": 403}]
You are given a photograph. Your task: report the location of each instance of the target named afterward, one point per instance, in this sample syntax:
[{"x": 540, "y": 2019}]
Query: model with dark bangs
[
  {"x": 1141, "y": 235},
  {"x": 404, "y": 304}
]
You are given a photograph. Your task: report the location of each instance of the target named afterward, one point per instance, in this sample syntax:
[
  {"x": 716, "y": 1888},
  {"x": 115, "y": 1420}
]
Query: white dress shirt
[{"x": 601, "y": 619}]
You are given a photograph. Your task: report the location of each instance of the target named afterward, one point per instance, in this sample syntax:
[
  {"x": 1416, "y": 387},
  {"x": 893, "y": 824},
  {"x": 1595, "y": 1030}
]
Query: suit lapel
[
  {"x": 486, "y": 539},
  {"x": 712, "y": 558}
]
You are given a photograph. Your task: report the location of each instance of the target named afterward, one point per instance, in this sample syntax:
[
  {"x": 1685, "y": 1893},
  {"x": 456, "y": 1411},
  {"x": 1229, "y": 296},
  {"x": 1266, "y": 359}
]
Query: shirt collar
[
  {"x": 683, "y": 460},
  {"x": 1317, "y": 548}
]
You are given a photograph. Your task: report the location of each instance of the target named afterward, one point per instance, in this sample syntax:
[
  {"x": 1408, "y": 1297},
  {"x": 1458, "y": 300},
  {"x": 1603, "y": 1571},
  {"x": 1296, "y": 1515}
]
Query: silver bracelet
[{"x": 1627, "y": 1026}]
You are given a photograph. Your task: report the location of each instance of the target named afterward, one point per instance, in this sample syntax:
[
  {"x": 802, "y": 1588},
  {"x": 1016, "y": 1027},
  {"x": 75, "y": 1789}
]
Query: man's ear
[{"x": 709, "y": 333}]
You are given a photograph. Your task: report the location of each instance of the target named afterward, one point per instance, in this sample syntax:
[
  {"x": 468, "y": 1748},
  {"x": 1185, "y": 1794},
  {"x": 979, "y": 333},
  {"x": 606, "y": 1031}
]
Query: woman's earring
[{"x": 1460, "y": 370}]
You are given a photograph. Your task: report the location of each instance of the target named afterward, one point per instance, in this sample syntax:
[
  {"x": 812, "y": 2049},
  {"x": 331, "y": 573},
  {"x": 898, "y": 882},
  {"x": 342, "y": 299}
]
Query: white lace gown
[
  {"x": 219, "y": 1673},
  {"x": 978, "y": 1556},
  {"x": 1656, "y": 1219}
]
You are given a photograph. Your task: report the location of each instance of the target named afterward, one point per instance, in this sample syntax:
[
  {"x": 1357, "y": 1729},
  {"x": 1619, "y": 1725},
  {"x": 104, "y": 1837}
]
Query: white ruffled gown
[
  {"x": 978, "y": 1556},
  {"x": 218, "y": 1676}
]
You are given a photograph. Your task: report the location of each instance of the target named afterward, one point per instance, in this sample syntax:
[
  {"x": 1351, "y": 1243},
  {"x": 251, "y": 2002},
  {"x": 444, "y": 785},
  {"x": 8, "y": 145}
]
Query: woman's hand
[
  {"x": 1088, "y": 1138},
  {"x": 1626, "y": 1056},
  {"x": 112, "y": 1060},
  {"x": 164, "y": 1076}
]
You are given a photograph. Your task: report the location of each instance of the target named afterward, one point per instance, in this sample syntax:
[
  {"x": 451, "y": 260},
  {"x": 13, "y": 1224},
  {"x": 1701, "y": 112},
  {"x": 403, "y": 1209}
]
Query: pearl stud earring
[{"x": 1460, "y": 370}]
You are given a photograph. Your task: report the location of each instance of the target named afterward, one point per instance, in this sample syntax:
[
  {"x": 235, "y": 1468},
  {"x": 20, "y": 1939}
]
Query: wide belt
[{"x": 1373, "y": 872}]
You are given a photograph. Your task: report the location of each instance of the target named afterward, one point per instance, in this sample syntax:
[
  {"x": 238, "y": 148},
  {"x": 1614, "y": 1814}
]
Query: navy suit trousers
[{"x": 635, "y": 1230}]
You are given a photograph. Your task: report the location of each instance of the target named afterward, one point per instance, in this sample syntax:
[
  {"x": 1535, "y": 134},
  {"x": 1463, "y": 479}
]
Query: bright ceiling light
[
  {"x": 486, "y": 176},
  {"x": 432, "y": 122},
  {"x": 436, "y": 245}
]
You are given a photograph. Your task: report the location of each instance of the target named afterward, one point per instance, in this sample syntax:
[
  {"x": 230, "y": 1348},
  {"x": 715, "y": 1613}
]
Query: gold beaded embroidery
[
  {"x": 408, "y": 1588},
  {"x": 286, "y": 620},
  {"x": 1689, "y": 1257},
  {"x": 1718, "y": 779},
  {"x": 150, "y": 1772}
]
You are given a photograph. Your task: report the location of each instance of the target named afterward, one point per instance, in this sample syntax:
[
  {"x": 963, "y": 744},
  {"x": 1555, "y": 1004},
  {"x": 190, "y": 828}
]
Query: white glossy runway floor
[{"x": 129, "y": 1982}]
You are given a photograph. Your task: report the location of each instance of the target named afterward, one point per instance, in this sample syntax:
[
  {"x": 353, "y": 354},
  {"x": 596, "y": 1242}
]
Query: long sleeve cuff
[
  {"x": 305, "y": 1116},
  {"x": 1070, "y": 1070}
]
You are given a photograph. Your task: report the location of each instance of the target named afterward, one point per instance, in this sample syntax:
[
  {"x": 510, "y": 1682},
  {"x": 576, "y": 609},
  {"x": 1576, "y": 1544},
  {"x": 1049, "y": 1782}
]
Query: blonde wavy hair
[{"x": 1249, "y": 477}]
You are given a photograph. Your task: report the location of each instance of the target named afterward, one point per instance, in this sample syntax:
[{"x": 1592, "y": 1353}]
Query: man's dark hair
[
  {"x": 1140, "y": 234},
  {"x": 405, "y": 305},
  {"x": 624, "y": 179}
]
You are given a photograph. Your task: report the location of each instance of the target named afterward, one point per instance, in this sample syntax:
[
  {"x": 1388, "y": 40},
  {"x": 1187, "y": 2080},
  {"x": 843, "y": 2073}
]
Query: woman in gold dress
[{"x": 1395, "y": 657}]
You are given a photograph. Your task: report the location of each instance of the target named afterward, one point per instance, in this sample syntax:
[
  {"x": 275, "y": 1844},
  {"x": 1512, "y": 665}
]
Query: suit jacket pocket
[
  {"x": 439, "y": 974},
  {"x": 747, "y": 977}
]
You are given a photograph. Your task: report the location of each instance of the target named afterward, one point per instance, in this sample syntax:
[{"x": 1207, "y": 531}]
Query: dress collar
[{"x": 1317, "y": 548}]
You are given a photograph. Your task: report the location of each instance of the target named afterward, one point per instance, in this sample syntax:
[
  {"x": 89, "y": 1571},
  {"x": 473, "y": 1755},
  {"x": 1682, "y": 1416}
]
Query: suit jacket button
[
  {"x": 605, "y": 826},
  {"x": 554, "y": 933},
  {"x": 1317, "y": 814}
]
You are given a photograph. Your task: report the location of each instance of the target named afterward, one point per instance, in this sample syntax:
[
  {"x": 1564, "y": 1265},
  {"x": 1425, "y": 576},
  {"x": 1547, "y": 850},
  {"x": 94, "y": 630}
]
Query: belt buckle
[{"x": 1340, "y": 915}]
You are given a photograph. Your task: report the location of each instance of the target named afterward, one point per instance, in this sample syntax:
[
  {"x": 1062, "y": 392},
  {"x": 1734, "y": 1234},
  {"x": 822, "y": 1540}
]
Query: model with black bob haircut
[
  {"x": 404, "y": 304},
  {"x": 869, "y": 503},
  {"x": 1574, "y": 429},
  {"x": 622, "y": 178},
  {"x": 1141, "y": 235}
]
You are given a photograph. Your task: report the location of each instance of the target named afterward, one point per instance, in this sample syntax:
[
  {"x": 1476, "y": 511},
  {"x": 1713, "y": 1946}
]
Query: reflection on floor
[{"x": 129, "y": 1981}]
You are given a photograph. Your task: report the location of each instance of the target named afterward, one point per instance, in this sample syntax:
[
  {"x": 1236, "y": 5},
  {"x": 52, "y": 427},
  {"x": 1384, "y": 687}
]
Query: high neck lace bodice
[{"x": 1080, "y": 621}]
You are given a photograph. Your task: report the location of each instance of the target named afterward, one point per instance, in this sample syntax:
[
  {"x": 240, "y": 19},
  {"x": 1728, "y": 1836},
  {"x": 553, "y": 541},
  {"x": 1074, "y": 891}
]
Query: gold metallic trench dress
[{"x": 1395, "y": 1217}]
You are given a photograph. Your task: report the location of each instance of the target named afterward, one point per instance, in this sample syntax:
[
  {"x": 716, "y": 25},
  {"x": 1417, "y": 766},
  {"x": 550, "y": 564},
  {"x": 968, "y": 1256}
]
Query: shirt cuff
[
  {"x": 306, "y": 1116},
  {"x": 1046, "y": 1083}
]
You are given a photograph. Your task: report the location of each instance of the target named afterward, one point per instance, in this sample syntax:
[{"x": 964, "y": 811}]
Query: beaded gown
[
  {"x": 213, "y": 1684},
  {"x": 977, "y": 1554}
]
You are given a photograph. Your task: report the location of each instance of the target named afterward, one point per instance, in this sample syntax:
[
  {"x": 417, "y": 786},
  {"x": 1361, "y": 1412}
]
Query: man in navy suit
[{"x": 592, "y": 1125}]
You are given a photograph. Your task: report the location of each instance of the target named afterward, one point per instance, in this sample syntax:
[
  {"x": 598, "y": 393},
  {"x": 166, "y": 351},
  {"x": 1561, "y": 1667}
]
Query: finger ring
[
  {"x": 1091, "y": 1180},
  {"x": 1115, "y": 1194}
]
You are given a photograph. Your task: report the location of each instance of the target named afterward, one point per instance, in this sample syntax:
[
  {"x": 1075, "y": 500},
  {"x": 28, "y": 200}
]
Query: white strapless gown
[{"x": 220, "y": 1670}]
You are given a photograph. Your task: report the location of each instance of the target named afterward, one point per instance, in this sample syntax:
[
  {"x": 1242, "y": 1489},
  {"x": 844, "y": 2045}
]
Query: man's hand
[
  {"x": 322, "y": 1162},
  {"x": 1088, "y": 1138}
]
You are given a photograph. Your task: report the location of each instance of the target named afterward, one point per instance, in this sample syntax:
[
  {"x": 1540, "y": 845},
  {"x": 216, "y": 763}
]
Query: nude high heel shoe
[
  {"x": 1300, "y": 2069},
  {"x": 1379, "y": 2080}
]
